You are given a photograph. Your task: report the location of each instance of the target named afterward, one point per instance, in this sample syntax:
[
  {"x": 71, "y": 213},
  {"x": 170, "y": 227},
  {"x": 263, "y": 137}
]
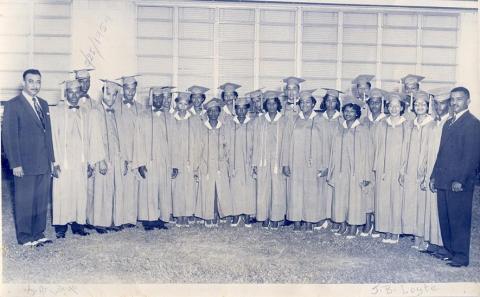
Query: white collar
[
  {"x": 128, "y": 105},
  {"x": 355, "y": 124},
  {"x": 194, "y": 112},
  {"x": 207, "y": 123},
  {"x": 312, "y": 115},
  {"x": 28, "y": 97},
  {"x": 277, "y": 117},
  {"x": 187, "y": 115},
  {"x": 335, "y": 115},
  {"x": 247, "y": 119},
  {"x": 443, "y": 118},
  {"x": 427, "y": 120},
  {"x": 458, "y": 115},
  {"x": 380, "y": 117},
  {"x": 106, "y": 106},
  {"x": 389, "y": 121},
  {"x": 226, "y": 110}
]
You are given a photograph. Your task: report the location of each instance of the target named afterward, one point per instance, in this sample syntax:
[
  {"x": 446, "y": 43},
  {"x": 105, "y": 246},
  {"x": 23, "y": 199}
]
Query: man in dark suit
[
  {"x": 453, "y": 177},
  {"x": 27, "y": 139}
]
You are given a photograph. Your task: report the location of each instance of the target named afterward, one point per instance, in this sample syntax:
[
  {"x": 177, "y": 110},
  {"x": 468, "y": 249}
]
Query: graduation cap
[
  {"x": 128, "y": 80},
  {"x": 253, "y": 94},
  {"x": 110, "y": 84},
  {"x": 421, "y": 95},
  {"x": 82, "y": 73},
  {"x": 214, "y": 102},
  {"x": 349, "y": 99},
  {"x": 412, "y": 79},
  {"x": 306, "y": 94},
  {"x": 242, "y": 101},
  {"x": 440, "y": 94},
  {"x": 333, "y": 92},
  {"x": 271, "y": 94},
  {"x": 377, "y": 93},
  {"x": 183, "y": 96},
  {"x": 197, "y": 90},
  {"x": 71, "y": 84},
  {"x": 363, "y": 79},
  {"x": 396, "y": 95},
  {"x": 229, "y": 87},
  {"x": 292, "y": 80}
]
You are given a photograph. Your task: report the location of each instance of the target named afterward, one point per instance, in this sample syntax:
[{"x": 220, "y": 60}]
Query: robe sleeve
[
  {"x": 407, "y": 132},
  {"x": 423, "y": 158},
  {"x": 334, "y": 154},
  {"x": 140, "y": 146},
  {"x": 95, "y": 150},
  {"x": 286, "y": 143},
  {"x": 368, "y": 153},
  {"x": 257, "y": 143}
]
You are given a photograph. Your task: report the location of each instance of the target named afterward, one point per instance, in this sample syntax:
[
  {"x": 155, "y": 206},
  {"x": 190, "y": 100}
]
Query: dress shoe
[
  {"x": 161, "y": 227},
  {"x": 129, "y": 226},
  {"x": 29, "y": 243},
  {"x": 455, "y": 264},
  {"x": 81, "y": 232},
  {"x": 60, "y": 235},
  {"x": 38, "y": 244},
  {"x": 427, "y": 252},
  {"x": 101, "y": 230},
  {"x": 442, "y": 257},
  {"x": 148, "y": 228},
  {"x": 115, "y": 228},
  {"x": 44, "y": 240}
]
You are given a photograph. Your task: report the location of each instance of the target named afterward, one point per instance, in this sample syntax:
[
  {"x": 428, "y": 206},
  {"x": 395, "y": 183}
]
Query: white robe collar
[
  {"x": 277, "y": 117},
  {"x": 247, "y": 119},
  {"x": 226, "y": 110},
  {"x": 380, "y": 117},
  {"x": 312, "y": 115},
  {"x": 335, "y": 115},
  {"x": 427, "y": 120},
  {"x": 355, "y": 124},
  {"x": 194, "y": 112},
  {"x": 207, "y": 123},
  {"x": 179, "y": 118},
  {"x": 389, "y": 121}
]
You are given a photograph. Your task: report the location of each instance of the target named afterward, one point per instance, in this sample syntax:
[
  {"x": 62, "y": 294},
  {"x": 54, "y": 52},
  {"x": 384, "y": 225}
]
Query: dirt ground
[{"x": 224, "y": 255}]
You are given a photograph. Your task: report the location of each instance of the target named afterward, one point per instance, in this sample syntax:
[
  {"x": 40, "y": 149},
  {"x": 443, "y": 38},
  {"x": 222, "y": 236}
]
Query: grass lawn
[{"x": 224, "y": 255}]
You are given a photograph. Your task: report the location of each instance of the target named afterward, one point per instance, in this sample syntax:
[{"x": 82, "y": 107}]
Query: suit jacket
[
  {"x": 459, "y": 153},
  {"x": 25, "y": 141}
]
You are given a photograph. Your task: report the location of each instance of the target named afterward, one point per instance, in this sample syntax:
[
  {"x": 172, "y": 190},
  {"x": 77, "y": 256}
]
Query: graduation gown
[
  {"x": 351, "y": 163},
  {"x": 267, "y": 157},
  {"x": 186, "y": 158},
  {"x": 127, "y": 205},
  {"x": 77, "y": 142},
  {"x": 214, "y": 174},
  {"x": 391, "y": 143},
  {"x": 372, "y": 126},
  {"x": 152, "y": 149},
  {"x": 432, "y": 231},
  {"x": 242, "y": 183},
  {"x": 413, "y": 211},
  {"x": 304, "y": 154},
  {"x": 108, "y": 188}
]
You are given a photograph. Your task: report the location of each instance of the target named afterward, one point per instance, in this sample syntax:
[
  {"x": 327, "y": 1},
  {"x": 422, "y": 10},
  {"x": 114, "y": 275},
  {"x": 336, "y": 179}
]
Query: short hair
[
  {"x": 189, "y": 100},
  {"x": 279, "y": 104},
  {"x": 323, "y": 105},
  {"x": 31, "y": 71},
  {"x": 234, "y": 93},
  {"x": 357, "y": 108},
  {"x": 203, "y": 97},
  {"x": 402, "y": 104},
  {"x": 314, "y": 101},
  {"x": 369, "y": 84},
  {"x": 461, "y": 89},
  {"x": 248, "y": 105},
  {"x": 217, "y": 107}
]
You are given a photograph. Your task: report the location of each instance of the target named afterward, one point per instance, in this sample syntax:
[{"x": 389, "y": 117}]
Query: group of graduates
[{"x": 355, "y": 164}]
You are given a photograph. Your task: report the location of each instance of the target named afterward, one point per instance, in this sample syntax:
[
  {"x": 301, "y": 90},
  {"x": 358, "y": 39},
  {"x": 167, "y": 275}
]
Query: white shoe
[
  {"x": 44, "y": 240},
  {"x": 322, "y": 226},
  {"x": 30, "y": 243},
  {"x": 375, "y": 235},
  {"x": 363, "y": 234},
  {"x": 386, "y": 240}
]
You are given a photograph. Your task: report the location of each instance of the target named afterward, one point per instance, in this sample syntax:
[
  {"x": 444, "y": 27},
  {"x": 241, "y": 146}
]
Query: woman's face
[
  {"x": 306, "y": 105},
  {"x": 272, "y": 106},
  {"x": 197, "y": 100},
  {"x": 241, "y": 110},
  {"x": 420, "y": 107},
  {"x": 331, "y": 103},
  {"x": 349, "y": 114},
  {"x": 182, "y": 104},
  {"x": 395, "y": 107}
]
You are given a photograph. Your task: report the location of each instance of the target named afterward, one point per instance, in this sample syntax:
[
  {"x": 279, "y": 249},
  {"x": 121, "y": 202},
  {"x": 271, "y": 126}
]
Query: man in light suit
[
  {"x": 453, "y": 177},
  {"x": 27, "y": 140}
]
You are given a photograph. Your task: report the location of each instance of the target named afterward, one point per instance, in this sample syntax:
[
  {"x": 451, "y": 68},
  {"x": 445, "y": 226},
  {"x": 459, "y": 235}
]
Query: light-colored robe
[
  {"x": 77, "y": 142},
  {"x": 414, "y": 199},
  {"x": 351, "y": 163},
  {"x": 214, "y": 175},
  {"x": 152, "y": 149},
  {"x": 432, "y": 231},
  {"x": 242, "y": 184},
  {"x": 267, "y": 157},
  {"x": 391, "y": 144},
  {"x": 108, "y": 188},
  {"x": 304, "y": 153},
  {"x": 186, "y": 158}
]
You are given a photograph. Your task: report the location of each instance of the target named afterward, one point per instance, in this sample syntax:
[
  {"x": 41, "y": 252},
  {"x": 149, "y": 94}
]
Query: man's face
[
  {"x": 306, "y": 105},
  {"x": 363, "y": 89},
  {"x": 197, "y": 100},
  {"x": 213, "y": 113},
  {"x": 441, "y": 107},
  {"x": 420, "y": 106},
  {"x": 349, "y": 114},
  {"x": 73, "y": 95},
  {"x": 292, "y": 91},
  {"x": 241, "y": 110},
  {"x": 84, "y": 85},
  {"x": 129, "y": 91},
  {"x": 395, "y": 108},
  {"x": 182, "y": 104},
  {"x": 257, "y": 103},
  {"x": 32, "y": 84},
  {"x": 272, "y": 106},
  {"x": 228, "y": 97},
  {"x": 167, "y": 100},
  {"x": 157, "y": 100},
  {"x": 459, "y": 101},
  {"x": 110, "y": 96},
  {"x": 375, "y": 104},
  {"x": 331, "y": 102},
  {"x": 412, "y": 88}
]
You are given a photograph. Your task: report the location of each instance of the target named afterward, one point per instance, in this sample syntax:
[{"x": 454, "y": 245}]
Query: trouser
[
  {"x": 455, "y": 215},
  {"x": 32, "y": 194},
  {"x": 63, "y": 228}
]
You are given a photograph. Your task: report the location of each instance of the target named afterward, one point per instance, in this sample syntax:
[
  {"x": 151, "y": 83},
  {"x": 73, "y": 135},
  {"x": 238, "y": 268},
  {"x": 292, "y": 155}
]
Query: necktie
[
  {"x": 39, "y": 111},
  {"x": 454, "y": 118},
  {"x": 74, "y": 107},
  {"x": 111, "y": 110}
]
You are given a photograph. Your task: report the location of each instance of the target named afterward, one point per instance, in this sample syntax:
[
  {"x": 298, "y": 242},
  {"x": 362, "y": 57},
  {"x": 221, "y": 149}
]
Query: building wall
[{"x": 255, "y": 44}]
